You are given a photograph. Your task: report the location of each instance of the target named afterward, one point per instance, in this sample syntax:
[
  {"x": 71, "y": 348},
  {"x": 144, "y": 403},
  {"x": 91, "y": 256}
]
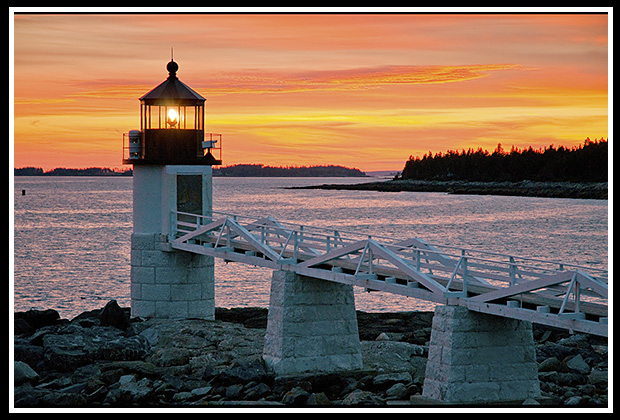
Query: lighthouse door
[{"x": 189, "y": 194}]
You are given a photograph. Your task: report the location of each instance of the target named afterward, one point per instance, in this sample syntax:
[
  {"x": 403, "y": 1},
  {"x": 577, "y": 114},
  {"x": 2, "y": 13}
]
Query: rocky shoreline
[
  {"x": 104, "y": 359},
  {"x": 586, "y": 190}
]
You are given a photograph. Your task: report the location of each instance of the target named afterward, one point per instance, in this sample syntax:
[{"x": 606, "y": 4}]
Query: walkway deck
[{"x": 544, "y": 292}]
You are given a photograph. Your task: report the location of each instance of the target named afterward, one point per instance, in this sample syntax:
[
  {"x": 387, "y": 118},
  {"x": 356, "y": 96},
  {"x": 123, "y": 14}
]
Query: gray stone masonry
[
  {"x": 478, "y": 358},
  {"x": 170, "y": 284},
  {"x": 311, "y": 326}
]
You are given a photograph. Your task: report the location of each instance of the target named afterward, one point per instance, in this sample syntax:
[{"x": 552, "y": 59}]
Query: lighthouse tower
[{"x": 172, "y": 162}]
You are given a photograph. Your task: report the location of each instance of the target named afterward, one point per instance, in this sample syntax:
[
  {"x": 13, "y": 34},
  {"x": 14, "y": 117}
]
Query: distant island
[
  {"x": 241, "y": 170},
  {"x": 32, "y": 171},
  {"x": 258, "y": 170}
]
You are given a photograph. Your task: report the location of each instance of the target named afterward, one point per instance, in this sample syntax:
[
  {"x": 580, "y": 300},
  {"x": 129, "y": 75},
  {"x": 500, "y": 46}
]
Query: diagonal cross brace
[
  {"x": 524, "y": 287},
  {"x": 202, "y": 230},
  {"x": 252, "y": 240},
  {"x": 332, "y": 255},
  {"x": 406, "y": 267}
]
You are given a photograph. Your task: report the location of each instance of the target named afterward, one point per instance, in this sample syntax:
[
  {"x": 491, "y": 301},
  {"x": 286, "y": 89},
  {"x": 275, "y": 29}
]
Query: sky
[{"x": 362, "y": 90}]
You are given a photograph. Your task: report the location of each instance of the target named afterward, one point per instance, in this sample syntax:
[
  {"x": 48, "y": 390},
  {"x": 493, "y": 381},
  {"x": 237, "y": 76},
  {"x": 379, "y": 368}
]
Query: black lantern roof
[{"x": 172, "y": 89}]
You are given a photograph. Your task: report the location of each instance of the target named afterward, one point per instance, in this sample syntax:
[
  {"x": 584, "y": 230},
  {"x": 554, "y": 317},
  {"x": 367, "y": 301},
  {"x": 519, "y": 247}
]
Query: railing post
[
  {"x": 465, "y": 275},
  {"x": 417, "y": 259},
  {"x": 173, "y": 226}
]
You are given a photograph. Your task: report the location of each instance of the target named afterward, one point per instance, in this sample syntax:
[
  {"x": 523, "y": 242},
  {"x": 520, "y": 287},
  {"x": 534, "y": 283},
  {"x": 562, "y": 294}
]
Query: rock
[
  {"x": 296, "y": 396},
  {"x": 252, "y": 369},
  {"x": 181, "y": 396},
  {"x": 233, "y": 391},
  {"x": 551, "y": 364},
  {"x": 23, "y": 373},
  {"x": 576, "y": 340},
  {"x": 319, "y": 399},
  {"x": 113, "y": 315},
  {"x": 382, "y": 337},
  {"x": 598, "y": 378},
  {"x": 398, "y": 391},
  {"x": 575, "y": 400},
  {"x": 197, "y": 362},
  {"x": 75, "y": 346},
  {"x": 390, "y": 337},
  {"x": 257, "y": 391},
  {"x": 37, "y": 319},
  {"x": 201, "y": 391},
  {"x": 27, "y": 353},
  {"x": 364, "y": 398},
  {"x": 563, "y": 379},
  {"x": 577, "y": 363},
  {"x": 393, "y": 356},
  {"x": 22, "y": 327},
  {"x": 389, "y": 379},
  {"x": 170, "y": 356},
  {"x": 530, "y": 401}
]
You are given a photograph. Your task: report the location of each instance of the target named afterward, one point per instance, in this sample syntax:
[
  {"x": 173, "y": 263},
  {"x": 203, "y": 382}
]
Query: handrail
[{"x": 337, "y": 234}]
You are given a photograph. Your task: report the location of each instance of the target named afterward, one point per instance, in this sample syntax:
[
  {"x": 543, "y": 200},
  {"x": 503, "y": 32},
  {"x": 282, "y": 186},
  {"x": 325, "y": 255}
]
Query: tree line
[
  {"x": 33, "y": 171},
  {"x": 258, "y": 170},
  {"x": 583, "y": 163},
  {"x": 242, "y": 170}
]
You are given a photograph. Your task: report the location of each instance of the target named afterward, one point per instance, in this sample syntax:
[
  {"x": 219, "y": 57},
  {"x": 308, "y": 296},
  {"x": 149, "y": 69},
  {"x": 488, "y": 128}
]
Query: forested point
[{"x": 583, "y": 163}]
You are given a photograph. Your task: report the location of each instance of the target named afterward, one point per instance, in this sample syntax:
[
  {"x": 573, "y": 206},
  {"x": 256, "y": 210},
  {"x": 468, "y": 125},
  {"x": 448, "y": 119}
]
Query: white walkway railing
[{"x": 545, "y": 292}]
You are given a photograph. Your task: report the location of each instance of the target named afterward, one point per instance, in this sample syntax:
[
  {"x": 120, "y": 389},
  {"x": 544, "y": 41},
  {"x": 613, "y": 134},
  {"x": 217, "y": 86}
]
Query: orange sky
[{"x": 359, "y": 90}]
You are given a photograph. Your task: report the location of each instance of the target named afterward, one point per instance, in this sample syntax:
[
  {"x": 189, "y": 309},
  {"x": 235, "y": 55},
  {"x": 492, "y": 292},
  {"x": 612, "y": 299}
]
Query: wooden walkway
[{"x": 549, "y": 293}]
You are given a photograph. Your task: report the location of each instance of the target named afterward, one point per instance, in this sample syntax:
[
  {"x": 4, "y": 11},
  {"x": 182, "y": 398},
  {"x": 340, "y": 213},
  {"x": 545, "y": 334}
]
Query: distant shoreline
[
  {"x": 584, "y": 190},
  {"x": 240, "y": 170}
]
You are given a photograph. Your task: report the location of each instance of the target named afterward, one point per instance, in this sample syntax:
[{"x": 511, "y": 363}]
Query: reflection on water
[{"x": 72, "y": 234}]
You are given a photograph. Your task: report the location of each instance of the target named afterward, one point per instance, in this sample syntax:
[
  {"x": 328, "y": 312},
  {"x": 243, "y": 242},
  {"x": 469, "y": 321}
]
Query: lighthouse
[{"x": 172, "y": 160}]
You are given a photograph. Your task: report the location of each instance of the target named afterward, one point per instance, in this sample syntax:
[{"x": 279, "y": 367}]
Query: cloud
[{"x": 251, "y": 81}]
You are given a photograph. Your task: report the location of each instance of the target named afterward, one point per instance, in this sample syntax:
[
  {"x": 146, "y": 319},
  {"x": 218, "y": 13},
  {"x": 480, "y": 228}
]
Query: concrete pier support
[
  {"x": 311, "y": 326},
  {"x": 167, "y": 283},
  {"x": 479, "y": 358}
]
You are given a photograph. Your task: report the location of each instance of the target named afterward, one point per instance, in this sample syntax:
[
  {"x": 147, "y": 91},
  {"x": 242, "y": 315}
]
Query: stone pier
[
  {"x": 478, "y": 358},
  {"x": 311, "y": 326}
]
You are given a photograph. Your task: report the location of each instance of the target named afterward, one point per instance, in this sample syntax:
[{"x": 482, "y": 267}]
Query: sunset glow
[{"x": 359, "y": 90}]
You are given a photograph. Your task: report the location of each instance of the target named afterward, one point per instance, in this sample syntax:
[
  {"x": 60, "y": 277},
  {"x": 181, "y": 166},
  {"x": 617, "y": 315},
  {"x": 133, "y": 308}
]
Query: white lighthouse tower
[{"x": 172, "y": 175}]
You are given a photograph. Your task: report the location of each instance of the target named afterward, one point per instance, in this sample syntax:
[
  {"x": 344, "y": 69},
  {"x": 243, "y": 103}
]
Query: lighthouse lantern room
[
  {"x": 172, "y": 162},
  {"x": 172, "y": 127}
]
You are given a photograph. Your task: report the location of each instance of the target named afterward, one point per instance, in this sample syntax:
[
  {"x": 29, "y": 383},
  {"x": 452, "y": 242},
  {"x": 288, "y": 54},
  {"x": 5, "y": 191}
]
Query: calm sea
[{"x": 72, "y": 234}]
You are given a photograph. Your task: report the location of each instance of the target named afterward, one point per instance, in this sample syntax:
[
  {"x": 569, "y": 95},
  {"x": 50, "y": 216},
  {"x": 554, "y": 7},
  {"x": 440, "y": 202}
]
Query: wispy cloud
[{"x": 251, "y": 81}]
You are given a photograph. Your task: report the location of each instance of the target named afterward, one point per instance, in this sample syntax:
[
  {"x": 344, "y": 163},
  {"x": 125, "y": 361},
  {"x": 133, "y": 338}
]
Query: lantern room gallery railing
[{"x": 134, "y": 145}]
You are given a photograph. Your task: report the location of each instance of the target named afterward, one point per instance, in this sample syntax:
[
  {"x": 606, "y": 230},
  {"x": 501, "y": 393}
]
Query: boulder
[
  {"x": 577, "y": 364},
  {"x": 23, "y": 373},
  {"x": 552, "y": 364},
  {"x": 75, "y": 346},
  {"x": 113, "y": 315},
  {"x": 362, "y": 398},
  {"x": 598, "y": 378},
  {"x": 37, "y": 319},
  {"x": 296, "y": 396}
]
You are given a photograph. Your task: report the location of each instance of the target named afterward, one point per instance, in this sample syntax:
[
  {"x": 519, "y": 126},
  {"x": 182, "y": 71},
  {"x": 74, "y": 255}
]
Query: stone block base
[
  {"x": 311, "y": 326},
  {"x": 478, "y": 358},
  {"x": 170, "y": 284}
]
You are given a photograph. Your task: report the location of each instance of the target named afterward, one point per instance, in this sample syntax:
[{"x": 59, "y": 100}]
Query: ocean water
[{"x": 71, "y": 245}]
